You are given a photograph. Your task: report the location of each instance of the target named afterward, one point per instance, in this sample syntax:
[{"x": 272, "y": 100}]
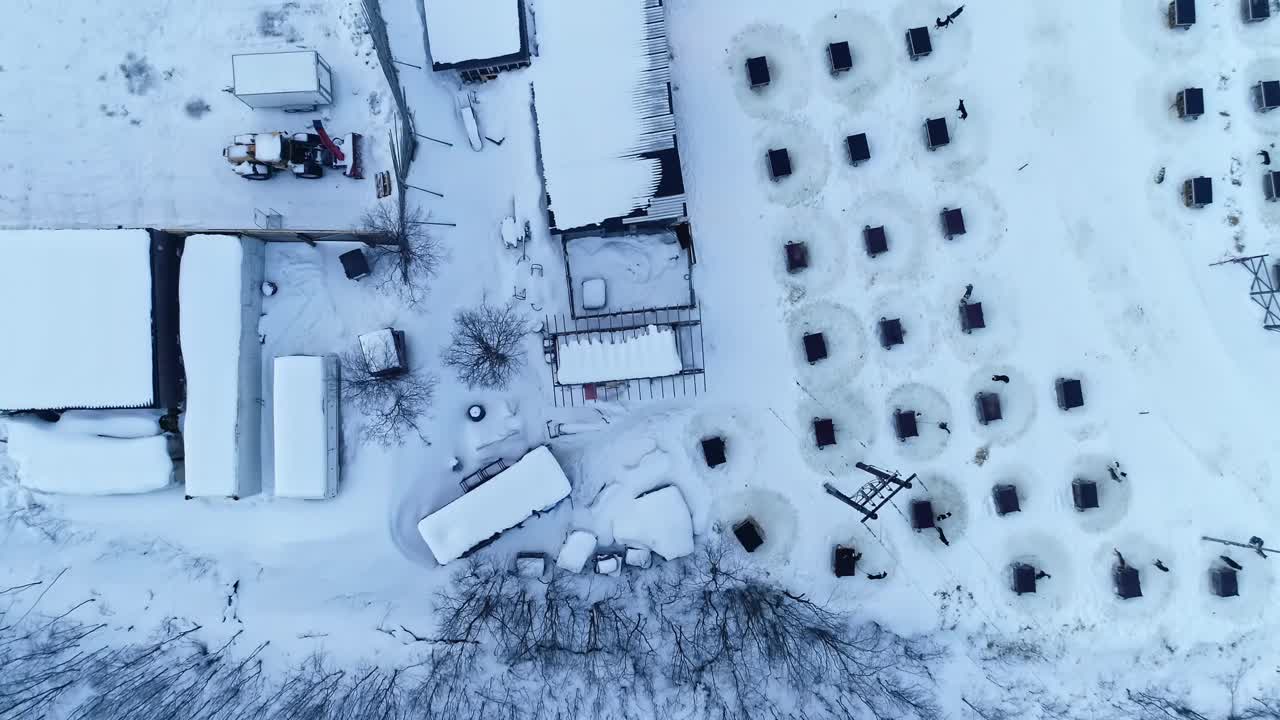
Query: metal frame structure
[
  {"x": 874, "y": 494},
  {"x": 568, "y": 274},
  {"x": 687, "y": 324},
  {"x": 1262, "y": 291}
]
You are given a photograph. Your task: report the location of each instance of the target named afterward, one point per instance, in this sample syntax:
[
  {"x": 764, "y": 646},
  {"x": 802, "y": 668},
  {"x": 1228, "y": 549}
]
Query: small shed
[
  {"x": 1271, "y": 185},
  {"x": 1024, "y": 578},
  {"x": 815, "y": 347},
  {"x": 858, "y": 147},
  {"x": 749, "y": 534},
  {"x": 918, "y": 42},
  {"x": 971, "y": 317},
  {"x": 844, "y": 561},
  {"x": 1256, "y": 10},
  {"x": 294, "y": 81},
  {"x": 935, "y": 133},
  {"x": 477, "y": 38},
  {"x": 840, "y": 57},
  {"x": 758, "y": 71},
  {"x": 1266, "y": 95},
  {"x": 952, "y": 222},
  {"x": 638, "y": 557},
  {"x": 307, "y": 426},
  {"x": 1070, "y": 393},
  {"x": 1182, "y": 14},
  {"x": 824, "y": 432},
  {"x": 531, "y": 565},
  {"x": 713, "y": 451},
  {"x": 922, "y": 516},
  {"x": 1224, "y": 581},
  {"x": 1190, "y": 103},
  {"x": 1128, "y": 582},
  {"x": 875, "y": 239},
  {"x": 608, "y": 564},
  {"x": 904, "y": 424},
  {"x": 797, "y": 256},
  {"x": 1005, "y": 498},
  {"x": 578, "y": 548},
  {"x": 1197, "y": 192},
  {"x": 891, "y": 332},
  {"x": 1084, "y": 494},
  {"x": 384, "y": 352},
  {"x": 988, "y": 406},
  {"x": 779, "y": 164},
  {"x": 355, "y": 264}
]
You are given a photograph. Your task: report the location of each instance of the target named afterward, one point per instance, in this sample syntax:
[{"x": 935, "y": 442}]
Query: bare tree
[
  {"x": 486, "y": 349},
  {"x": 393, "y": 407},
  {"x": 406, "y": 265}
]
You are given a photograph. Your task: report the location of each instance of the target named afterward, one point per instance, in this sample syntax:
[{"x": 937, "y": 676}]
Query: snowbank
[
  {"x": 58, "y": 461},
  {"x": 462, "y": 30},
  {"x": 648, "y": 352},
  {"x": 659, "y": 521},
  {"x": 534, "y": 484},
  {"x": 306, "y": 427},
  {"x": 220, "y": 303},
  {"x": 110, "y": 423},
  {"x": 75, "y": 310}
]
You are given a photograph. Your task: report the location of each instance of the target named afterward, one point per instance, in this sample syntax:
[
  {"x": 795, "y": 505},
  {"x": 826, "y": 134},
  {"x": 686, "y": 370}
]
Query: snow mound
[
  {"x": 657, "y": 520},
  {"x": 59, "y": 461}
]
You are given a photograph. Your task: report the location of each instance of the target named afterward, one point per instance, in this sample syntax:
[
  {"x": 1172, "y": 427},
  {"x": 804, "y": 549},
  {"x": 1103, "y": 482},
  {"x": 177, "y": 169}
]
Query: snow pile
[
  {"x": 593, "y": 126},
  {"x": 75, "y": 313},
  {"x": 576, "y": 551},
  {"x": 648, "y": 352},
  {"x": 534, "y": 484},
  {"x": 659, "y": 521},
  {"x": 56, "y": 460},
  {"x": 220, "y": 303},
  {"x": 306, "y": 427},
  {"x": 463, "y": 30}
]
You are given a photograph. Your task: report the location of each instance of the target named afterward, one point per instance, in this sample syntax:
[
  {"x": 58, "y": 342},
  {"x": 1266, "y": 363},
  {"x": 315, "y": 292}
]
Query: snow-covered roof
[
  {"x": 645, "y": 352},
  {"x": 57, "y": 460},
  {"x": 659, "y": 521},
  {"x": 379, "y": 348},
  {"x": 461, "y": 31},
  {"x": 602, "y": 101},
  {"x": 75, "y": 319},
  {"x": 305, "y": 448},
  {"x": 281, "y": 72},
  {"x": 576, "y": 551},
  {"x": 216, "y": 292},
  {"x": 535, "y": 483}
]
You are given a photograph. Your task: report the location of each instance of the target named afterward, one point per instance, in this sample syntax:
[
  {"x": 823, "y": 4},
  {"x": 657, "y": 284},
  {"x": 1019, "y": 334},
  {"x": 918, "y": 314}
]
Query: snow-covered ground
[{"x": 1085, "y": 265}]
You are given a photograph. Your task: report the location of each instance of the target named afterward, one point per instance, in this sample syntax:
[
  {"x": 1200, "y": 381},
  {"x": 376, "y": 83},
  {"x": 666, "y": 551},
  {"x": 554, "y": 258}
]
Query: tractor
[{"x": 255, "y": 156}]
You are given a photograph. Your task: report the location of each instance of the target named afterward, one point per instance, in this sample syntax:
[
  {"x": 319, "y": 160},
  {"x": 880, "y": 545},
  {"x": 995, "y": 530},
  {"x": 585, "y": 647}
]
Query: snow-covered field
[{"x": 1086, "y": 266}]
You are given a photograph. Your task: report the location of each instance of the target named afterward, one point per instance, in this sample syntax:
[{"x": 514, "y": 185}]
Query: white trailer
[
  {"x": 307, "y": 426},
  {"x": 298, "y": 81}
]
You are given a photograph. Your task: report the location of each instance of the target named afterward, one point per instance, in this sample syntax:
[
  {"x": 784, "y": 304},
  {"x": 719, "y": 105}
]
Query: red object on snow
[
  {"x": 327, "y": 141},
  {"x": 589, "y": 392}
]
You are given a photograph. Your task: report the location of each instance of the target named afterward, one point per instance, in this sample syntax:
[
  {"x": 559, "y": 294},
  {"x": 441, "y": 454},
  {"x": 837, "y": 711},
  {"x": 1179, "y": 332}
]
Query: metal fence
[{"x": 404, "y": 141}]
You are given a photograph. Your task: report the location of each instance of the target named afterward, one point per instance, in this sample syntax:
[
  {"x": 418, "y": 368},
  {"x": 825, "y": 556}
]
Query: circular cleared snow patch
[
  {"x": 826, "y": 249},
  {"x": 852, "y": 422},
  {"x": 1157, "y": 586},
  {"x": 1026, "y": 486},
  {"x": 810, "y": 162},
  {"x": 1156, "y": 104},
  {"x": 951, "y": 45},
  {"x": 774, "y": 514},
  {"x": 789, "y": 77},
  {"x": 873, "y": 57},
  {"x": 999, "y": 315},
  {"x": 1147, "y": 24},
  {"x": 985, "y": 222},
  {"x": 1114, "y": 497},
  {"x": 742, "y": 438},
  {"x": 932, "y": 413},
  {"x": 845, "y": 343},
  {"x": 917, "y": 325},
  {"x": 1015, "y": 399},
  {"x": 1082, "y": 422},
  {"x": 1045, "y": 553},
  {"x": 1255, "y": 582},
  {"x": 970, "y": 139},
  {"x": 950, "y": 510},
  {"x": 905, "y": 231}
]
